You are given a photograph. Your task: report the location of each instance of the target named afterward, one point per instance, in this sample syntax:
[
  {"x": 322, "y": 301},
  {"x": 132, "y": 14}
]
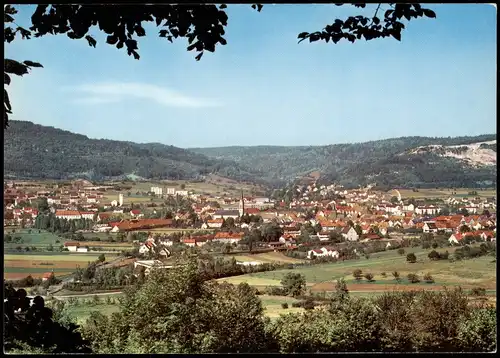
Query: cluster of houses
[{"x": 361, "y": 215}]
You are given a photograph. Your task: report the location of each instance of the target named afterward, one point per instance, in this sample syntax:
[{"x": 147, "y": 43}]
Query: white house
[
  {"x": 350, "y": 234},
  {"x": 72, "y": 246},
  {"x": 455, "y": 238},
  {"x": 68, "y": 214},
  {"x": 323, "y": 252},
  {"x": 170, "y": 191},
  {"x": 427, "y": 210},
  {"x": 149, "y": 264},
  {"x": 430, "y": 226},
  {"x": 409, "y": 207},
  {"x": 87, "y": 215}
]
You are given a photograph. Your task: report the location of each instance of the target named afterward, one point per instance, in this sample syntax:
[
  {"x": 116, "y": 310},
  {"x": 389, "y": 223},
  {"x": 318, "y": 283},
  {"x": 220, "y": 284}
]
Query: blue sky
[{"x": 264, "y": 88}]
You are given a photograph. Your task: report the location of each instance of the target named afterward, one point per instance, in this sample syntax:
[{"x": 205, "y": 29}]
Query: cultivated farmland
[
  {"x": 17, "y": 266},
  {"x": 467, "y": 273},
  {"x": 40, "y": 239}
]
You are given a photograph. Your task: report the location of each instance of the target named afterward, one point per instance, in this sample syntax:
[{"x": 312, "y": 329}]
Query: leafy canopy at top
[{"x": 202, "y": 25}]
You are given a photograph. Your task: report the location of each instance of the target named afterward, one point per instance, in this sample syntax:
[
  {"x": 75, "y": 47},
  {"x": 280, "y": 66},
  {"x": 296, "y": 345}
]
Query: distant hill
[
  {"x": 399, "y": 162},
  {"x": 35, "y": 151}
]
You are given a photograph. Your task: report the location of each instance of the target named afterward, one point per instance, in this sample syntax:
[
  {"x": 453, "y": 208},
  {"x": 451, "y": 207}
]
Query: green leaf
[
  {"x": 396, "y": 35},
  {"x": 10, "y": 10},
  {"x": 6, "y": 79},
  {"x": 222, "y": 6},
  {"x": 112, "y": 39},
  {"x": 198, "y": 57},
  {"x": 429, "y": 13},
  {"x": 15, "y": 67},
  {"x": 7, "y": 18},
  {"x": 91, "y": 40},
  {"x": 32, "y": 64}
]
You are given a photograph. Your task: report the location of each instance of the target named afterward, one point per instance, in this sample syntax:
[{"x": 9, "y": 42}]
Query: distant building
[
  {"x": 120, "y": 199},
  {"x": 224, "y": 214},
  {"x": 170, "y": 191},
  {"x": 72, "y": 246},
  {"x": 157, "y": 190}
]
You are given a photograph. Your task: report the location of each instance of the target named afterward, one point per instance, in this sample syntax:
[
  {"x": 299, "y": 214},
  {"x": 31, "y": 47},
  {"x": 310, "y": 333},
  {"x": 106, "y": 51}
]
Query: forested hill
[
  {"x": 35, "y": 151},
  {"x": 402, "y": 162}
]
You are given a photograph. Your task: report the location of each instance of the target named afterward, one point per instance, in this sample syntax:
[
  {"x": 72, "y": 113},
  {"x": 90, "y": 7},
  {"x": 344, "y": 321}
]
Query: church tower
[{"x": 242, "y": 205}]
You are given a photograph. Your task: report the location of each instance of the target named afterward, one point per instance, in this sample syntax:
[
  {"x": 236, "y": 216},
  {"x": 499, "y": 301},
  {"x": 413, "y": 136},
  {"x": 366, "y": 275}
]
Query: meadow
[
  {"x": 214, "y": 185},
  {"x": 444, "y": 193},
  {"x": 479, "y": 272},
  {"x": 268, "y": 257},
  {"x": 40, "y": 239},
  {"x": 19, "y": 265},
  {"x": 85, "y": 306}
]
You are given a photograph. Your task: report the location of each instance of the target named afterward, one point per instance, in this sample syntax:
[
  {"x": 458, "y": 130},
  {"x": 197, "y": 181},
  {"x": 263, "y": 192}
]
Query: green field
[
  {"x": 56, "y": 256},
  {"x": 272, "y": 305},
  {"x": 268, "y": 257},
  {"x": 444, "y": 193},
  {"x": 82, "y": 311},
  {"x": 17, "y": 266},
  {"x": 480, "y": 271},
  {"x": 39, "y": 240}
]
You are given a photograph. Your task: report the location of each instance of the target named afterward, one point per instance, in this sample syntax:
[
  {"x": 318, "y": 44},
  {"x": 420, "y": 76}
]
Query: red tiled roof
[
  {"x": 67, "y": 213},
  {"x": 227, "y": 235},
  {"x": 66, "y": 244}
]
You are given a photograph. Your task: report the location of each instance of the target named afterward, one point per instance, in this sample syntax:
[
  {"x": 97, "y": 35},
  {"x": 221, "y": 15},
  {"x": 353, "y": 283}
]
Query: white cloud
[
  {"x": 114, "y": 92},
  {"x": 96, "y": 100}
]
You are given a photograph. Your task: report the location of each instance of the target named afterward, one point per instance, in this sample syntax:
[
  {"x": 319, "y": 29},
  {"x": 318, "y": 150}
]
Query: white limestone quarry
[{"x": 473, "y": 155}]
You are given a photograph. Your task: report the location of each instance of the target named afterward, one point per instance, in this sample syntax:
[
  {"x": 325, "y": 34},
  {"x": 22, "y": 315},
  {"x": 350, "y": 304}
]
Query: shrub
[
  {"x": 478, "y": 291},
  {"x": 293, "y": 284},
  {"x": 401, "y": 251},
  {"x": 396, "y": 275},
  {"x": 275, "y": 291},
  {"x": 284, "y": 305},
  {"x": 434, "y": 255},
  {"x": 297, "y": 304},
  {"x": 477, "y": 333},
  {"x": 369, "y": 277},
  {"x": 357, "y": 274},
  {"x": 383, "y": 274},
  {"x": 413, "y": 278},
  {"x": 308, "y": 303},
  {"x": 428, "y": 278},
  {"x": 411, "y": 258}
]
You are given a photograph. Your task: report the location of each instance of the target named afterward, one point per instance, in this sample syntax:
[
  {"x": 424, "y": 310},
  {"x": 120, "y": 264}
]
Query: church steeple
[{"x": 242, "y": 205}]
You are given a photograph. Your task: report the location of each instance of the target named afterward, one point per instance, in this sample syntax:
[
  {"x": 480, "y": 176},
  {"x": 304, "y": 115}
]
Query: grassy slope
[
  {"x": 271, "y": 304},
  {"x": 40, "y": 240},
  {"x": 481, "y": 271}
]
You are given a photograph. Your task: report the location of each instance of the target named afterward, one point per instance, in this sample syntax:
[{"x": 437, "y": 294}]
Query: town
[
  {"x": 214, "y": 179},
  {"x": 311, "y": 219}
]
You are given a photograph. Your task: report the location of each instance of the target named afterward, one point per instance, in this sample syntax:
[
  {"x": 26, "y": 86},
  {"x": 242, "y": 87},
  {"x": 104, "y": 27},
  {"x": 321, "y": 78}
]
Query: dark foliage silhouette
[{"x": 28, "y": 324}]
